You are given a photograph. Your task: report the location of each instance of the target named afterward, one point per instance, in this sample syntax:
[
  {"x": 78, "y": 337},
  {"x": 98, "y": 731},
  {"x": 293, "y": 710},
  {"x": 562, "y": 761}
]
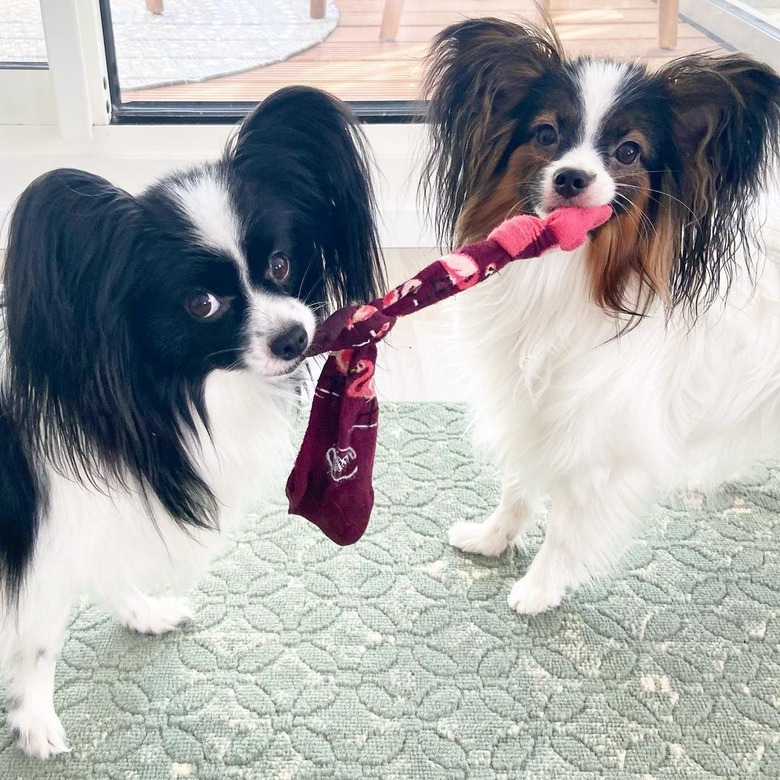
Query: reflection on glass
[
  {"x": 766, "y": 10},
  {"x": 21, "y": 32},
  {"x": 361, "y": 50}
]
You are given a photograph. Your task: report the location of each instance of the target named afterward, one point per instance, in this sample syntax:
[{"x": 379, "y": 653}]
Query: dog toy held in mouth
[{"x": 330, "y": 483}]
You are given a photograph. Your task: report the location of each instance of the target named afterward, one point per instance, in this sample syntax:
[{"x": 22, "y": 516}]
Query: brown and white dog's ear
[
  {"x": 726, "y": 122},
  {"x": 476, "y": 72}
]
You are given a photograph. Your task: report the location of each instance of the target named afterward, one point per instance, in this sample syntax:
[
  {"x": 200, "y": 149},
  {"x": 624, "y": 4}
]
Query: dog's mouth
[
  {"x": 288, "y": 368},
  {"x": 270, "y": 367},
  {"x": 595, "y": 191},
  {"x": 544, "y": 209}
]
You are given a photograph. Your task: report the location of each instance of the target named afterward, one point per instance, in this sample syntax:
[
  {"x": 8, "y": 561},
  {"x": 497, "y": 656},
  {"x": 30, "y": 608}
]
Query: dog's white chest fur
[
  {"x": 602, "y": 422},
  {"x": 557, "y": 392},
  {"x": 240, "y": 461},
  {"x": 112, "y": 544}
]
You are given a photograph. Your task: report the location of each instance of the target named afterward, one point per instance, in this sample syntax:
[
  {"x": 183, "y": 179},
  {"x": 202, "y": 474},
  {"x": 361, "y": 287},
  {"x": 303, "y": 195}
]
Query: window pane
[
  {"x": 242, "y": 50},
  {"x": 189, "y": 41},
  {"x": 767, "y": 11},
  {"x": 21, "y": 33}
]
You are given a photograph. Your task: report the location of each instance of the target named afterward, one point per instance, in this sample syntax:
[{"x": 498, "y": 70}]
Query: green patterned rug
[{"x": 398, "y": 658}]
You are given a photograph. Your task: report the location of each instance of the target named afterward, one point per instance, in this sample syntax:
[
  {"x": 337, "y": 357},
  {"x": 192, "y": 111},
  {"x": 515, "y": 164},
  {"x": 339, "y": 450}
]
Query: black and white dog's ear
[
  {"x": 306, "y": 145},
  {"x": 64, "y": 266},
  {"x": 66, "y": 274},
  {"x": 78, "y": 384}
]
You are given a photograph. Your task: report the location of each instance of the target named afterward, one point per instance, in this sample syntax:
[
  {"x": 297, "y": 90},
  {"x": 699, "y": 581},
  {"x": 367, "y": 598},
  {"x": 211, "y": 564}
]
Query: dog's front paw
[
  {"x": 148, "y": 615},
  {"x": 529, "y": 596},
  {"x": 478, "y": 538},
  {"x": 37, "y": 732}
]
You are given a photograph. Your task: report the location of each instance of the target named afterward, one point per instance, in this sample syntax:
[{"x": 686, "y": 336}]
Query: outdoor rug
[
  {"x": 192, "y": 40},
  {"x": 399, "y": 658}
]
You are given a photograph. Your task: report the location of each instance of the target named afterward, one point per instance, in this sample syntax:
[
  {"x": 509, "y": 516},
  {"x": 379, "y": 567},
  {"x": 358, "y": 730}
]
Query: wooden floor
[{"x": 355, "y": 65}]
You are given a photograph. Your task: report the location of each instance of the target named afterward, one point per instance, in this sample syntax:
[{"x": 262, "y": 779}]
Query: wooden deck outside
[{"x": 355, "y": 65}]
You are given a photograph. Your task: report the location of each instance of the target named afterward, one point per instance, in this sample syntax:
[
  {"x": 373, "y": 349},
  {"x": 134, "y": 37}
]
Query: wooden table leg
[
  {"x": 667, "y": 23},
  {"x": 317, "y": 9},
  {"x": 391, "y": 18}
]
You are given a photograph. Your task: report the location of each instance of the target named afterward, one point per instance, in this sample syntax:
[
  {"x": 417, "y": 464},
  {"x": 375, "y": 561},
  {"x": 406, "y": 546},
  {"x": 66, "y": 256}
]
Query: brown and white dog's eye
[
  {"x": 206, "y": 306},
  {"x": 546, "y": 135},
  {"x": 627, "y": 152},
  {"x": 279, "y": 267}
]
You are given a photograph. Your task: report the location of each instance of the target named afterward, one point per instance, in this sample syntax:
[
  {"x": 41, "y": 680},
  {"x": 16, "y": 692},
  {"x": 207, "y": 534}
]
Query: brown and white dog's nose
[
  {"x": 290, "y": 343},
  {"x": 570, "y": 182}
]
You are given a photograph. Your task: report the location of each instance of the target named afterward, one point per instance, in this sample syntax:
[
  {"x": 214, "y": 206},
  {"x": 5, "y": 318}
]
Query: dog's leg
[
  {"x": 493, "y": 536},
  {"x": 33, "y": 644},
  {"x": 587, "y": 531},
  {"x": 149, "y": 615}
]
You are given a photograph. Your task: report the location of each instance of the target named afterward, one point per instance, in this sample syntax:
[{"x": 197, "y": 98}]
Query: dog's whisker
[
  {"x": 223, "y": 352},
  {"x": 665, "y": 195}
]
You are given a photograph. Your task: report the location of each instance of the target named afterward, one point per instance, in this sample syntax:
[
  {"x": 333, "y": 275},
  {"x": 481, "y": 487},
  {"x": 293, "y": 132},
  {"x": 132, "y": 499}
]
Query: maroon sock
[{"x": 330, "y": 483}]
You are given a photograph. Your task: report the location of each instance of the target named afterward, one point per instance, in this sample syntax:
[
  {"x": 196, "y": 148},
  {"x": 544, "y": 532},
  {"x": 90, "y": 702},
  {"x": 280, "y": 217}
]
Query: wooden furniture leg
[
  {"x": 667, "y": 23},
  {"x": 391, "y": 18},
  {"x": 317, "y": 9}
]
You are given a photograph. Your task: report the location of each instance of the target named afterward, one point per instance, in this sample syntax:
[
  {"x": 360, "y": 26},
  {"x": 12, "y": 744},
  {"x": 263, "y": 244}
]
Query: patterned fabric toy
[{"x": 330, "y": 483}]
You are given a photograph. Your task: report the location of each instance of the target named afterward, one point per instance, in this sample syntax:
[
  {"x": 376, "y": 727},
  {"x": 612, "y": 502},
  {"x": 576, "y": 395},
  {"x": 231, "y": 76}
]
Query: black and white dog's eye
[
  {"x": 627, "y": 152},
  {"x": 279, "y": 267},
  {"x": 546, "y": 135},
  {"x": 206, "y": 306}
]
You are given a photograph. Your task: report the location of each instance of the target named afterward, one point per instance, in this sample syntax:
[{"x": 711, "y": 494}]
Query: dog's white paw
[
  {"x": 38, "y": 732},
  {"x": 478, "y": 538},
  {"x": 156, "y": 615},
  {"x": 529, "y": 596}
]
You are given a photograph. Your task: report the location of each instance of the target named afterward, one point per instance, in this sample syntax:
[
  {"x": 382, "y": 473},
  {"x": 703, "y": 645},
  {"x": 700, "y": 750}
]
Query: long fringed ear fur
[
  {"x": 78, "y": 390},
  {"x": 726, "y": 126},
  {"x": 476, "y": 72},
  {"x": 307, "y": 146}
]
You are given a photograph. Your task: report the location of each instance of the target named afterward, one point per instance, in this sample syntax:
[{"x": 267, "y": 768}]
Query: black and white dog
[{"x": 150, "y": 347}]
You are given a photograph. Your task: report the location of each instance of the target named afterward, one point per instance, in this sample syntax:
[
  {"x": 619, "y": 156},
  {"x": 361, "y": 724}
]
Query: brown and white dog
[{"x": 647, "y": 360}]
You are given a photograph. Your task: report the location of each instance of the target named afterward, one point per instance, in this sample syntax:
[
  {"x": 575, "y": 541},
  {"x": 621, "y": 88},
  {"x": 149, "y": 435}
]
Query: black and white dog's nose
[
  {"x": 570, "y": 182},
  {"x": 290, "y": 343}
]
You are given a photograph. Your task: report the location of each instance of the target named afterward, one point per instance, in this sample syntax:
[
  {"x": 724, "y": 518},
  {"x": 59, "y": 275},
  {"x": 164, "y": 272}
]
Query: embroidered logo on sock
[{"x": 340, "y": 461}]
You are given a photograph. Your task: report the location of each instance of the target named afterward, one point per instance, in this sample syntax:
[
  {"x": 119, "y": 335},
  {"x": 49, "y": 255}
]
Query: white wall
[{"x": 133, "y": 156}]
